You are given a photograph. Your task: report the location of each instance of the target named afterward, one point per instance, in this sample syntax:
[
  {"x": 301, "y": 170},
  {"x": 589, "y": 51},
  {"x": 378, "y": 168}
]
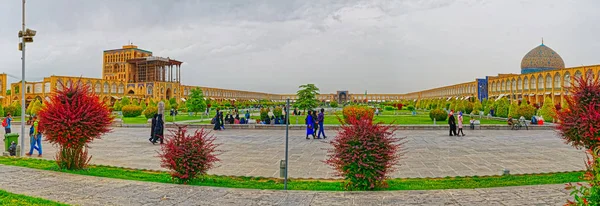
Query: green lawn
[
  {"x": 295, "y": 184},
  {"x": 10, "y": 199}
]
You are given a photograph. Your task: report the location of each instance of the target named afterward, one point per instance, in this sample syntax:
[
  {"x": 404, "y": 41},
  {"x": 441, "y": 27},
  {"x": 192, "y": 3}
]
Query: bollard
[
  {"x": 282, "y": 168},
  {"x": 506, "y": 172},
  {"x": 434, "y": 121}
]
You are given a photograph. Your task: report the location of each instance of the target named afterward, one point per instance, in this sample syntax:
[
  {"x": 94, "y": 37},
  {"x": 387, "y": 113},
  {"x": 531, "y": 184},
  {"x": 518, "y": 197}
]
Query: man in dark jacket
[{"x": 452, "y": 123}]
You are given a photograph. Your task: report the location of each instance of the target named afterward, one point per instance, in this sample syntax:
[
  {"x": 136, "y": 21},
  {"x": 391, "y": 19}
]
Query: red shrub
[
  {"x": 587, "y": 193},
  {"x": 399, "y": 106},
  {"x": 357, "y": 112},
  {"x": 188, "y": 156},
  {"x": 364, "y": 153},
  {"x": 71, "y": 119},
  {"x": 580, "y": 121}
]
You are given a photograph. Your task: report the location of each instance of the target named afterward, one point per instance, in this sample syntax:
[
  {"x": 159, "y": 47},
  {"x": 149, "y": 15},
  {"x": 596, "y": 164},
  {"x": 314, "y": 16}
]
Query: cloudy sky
[{"x": 382, "y": 46}]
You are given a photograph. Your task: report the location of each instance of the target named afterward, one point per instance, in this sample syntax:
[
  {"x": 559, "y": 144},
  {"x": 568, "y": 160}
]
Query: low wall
[{"x": 333, "y": 127}]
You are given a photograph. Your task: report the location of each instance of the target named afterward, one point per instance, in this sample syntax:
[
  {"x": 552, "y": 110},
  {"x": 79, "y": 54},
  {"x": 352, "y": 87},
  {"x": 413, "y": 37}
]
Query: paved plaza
[
  {"x": 88, "y": 190},
  {"x": 428, "y": 154}
]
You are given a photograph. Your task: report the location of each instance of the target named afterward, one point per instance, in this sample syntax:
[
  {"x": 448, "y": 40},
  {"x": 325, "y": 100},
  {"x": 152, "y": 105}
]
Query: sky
[{"x": 381, "y": 46}]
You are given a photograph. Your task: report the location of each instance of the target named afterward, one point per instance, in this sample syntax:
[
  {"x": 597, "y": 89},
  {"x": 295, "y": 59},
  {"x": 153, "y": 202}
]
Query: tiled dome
[{"x": 541, "y": 58}]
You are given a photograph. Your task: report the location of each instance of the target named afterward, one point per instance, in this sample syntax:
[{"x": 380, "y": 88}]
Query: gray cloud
[{"x": 382, "y": 46}]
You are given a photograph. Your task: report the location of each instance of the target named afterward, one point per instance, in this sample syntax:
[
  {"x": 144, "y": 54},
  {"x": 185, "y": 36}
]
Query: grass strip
[
  {"x": 301, "y": 184},
  {"x": 11, "y": 199}
]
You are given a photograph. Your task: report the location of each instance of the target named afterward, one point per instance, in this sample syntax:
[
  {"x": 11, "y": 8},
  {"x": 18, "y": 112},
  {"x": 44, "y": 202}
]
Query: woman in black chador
[
  {"x": 217, "y": 121},
  {"x": 152, "y": 128},
  {"x": 159, "y": 129}
]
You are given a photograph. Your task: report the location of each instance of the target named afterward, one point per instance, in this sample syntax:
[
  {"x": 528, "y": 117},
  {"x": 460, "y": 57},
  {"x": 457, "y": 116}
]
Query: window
[
  {"x": 113, "y": 88},
  {"x": 106, "y": 89},
  {"x": 526, "y": 84},
  {"x": 567, "y": 80},
  {"x": 589, "y": 75},
  {"x": 150, "y": 90},
  {"x": 519, "y": 84},
  {"x": 532, "y": 83},
  {"x": 557, "y": 81},
  {"x": 540, "y": 84},
  {"x": 577, "y": 76},
  {"x": 548, "y": 82},
  {"x": 503, "y": 84},
  {"x": 47, "y": 87},
  {"x": 98, "y": 88},
  {"x": 121, "y": 89},
  {"x": 514, "y": 85}
]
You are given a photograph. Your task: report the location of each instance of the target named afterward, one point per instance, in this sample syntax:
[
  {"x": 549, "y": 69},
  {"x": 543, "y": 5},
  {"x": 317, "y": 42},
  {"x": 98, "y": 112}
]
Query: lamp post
[{"x": 26, "y": 36}]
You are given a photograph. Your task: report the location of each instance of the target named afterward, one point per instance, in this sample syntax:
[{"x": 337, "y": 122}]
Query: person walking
[
  {"x": 460, "y": 124},
  {"x": 217, "y": 121},
  {"x": 35, "y": 138},
  {"x": 310, "y": 124},
  {"x": 452, "y": 123},
  {"x": 6, "y": 123},
  {"x": 159, "y": 129},
  {"x": 316, "y": 120},
  {"x": 221, "y": 122},
  {"x": 152, "y": 126},
  {"x": 247, "y": 115},
  {"x": 321, "y": 119}
]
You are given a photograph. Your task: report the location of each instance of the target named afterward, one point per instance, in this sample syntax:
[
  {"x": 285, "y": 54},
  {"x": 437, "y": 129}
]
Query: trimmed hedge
[
  {"x": 438, "y": 115},
  {"x": 131, "y": 111}
]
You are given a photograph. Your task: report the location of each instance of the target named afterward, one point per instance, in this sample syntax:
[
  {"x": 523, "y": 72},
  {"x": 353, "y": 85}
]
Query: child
[
  {"x": 472, "y": 123},
  {"x": 460, "y": 124}
]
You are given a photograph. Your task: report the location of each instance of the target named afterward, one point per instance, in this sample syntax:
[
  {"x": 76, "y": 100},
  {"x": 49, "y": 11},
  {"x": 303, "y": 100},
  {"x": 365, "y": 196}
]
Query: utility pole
[{"x": 23, "y": 90}]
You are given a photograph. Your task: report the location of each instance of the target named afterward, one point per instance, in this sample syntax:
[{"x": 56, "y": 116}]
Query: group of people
[
  {"x": 35, "y": 135},
  {"x": 452, "y": 121},
  {"x": 219, "y": 121},
  {"x": 314, "y": 124},
  {"x": 157, "y": 129}
]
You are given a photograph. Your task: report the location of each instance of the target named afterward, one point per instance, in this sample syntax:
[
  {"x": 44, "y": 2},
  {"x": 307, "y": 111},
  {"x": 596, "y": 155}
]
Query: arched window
[
  {"x": 567, "y": 80},
  {"x": 106, "y": 88},
  {"x": 540, "y": 83},
  {"x": 557, "y": 80},
  {"x": 121, "y": 89},
  {"x": 577, "y": 77},
  {"x": 150, "y": 90},
  {"x": 519, "y": 84},
  {"x": 589, "y": 75},
  {"x": 503, "y": 86},
  {"x": 98, "y": 88},
  {"x": 514, "y": 85},
  {"x": 59, "y": 85},
  {"x": 526, "y": 83},
  {"x": 548, "y": 81},
  {"x": 46, "y": 87},
  {"x": 532, "y": 84}
]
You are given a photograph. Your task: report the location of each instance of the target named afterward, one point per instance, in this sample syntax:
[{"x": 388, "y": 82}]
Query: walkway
[
  {"x": 87, "y": 190},
  {"x": 429, "y": 153}
]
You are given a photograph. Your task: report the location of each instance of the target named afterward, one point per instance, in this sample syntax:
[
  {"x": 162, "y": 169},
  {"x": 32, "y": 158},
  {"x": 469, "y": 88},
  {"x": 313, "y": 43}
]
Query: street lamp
[{"x": 26, "y": 36}]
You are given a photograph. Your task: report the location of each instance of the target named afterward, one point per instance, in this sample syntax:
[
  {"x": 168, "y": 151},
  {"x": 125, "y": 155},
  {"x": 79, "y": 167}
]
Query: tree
[
  {"x": 173, "y": 102},
  {"x": 513, "y": 110},
  {"x": 334, "y": 104},
  {"x": 125, "y": 101},
  {"x": 502, "y": 108},
  {"x": 71, "y": 120},
  {"x": 37, "y": 106},
  {"x": 307, "y": 97},
  {"x": 195, "y": 102},
  {"x": 1, "y": 111},
  {"x": 477, "y": 107},
  {"x": 547, "y": 110}
]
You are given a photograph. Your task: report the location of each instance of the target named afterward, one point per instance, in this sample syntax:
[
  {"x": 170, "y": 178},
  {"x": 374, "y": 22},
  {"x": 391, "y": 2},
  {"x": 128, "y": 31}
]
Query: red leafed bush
[
  {"x": 364, "y": 154},
  {"x": 188, "y": 156},
  {"x": 587, "y": 193},
  {"x": 71, "y": 119},
  {"x": 399, "y": 106},
  {"x": 580, "y": 120},
  {"x": 357, "y": 112}
]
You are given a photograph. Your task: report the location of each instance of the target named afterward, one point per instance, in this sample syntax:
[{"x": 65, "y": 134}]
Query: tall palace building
[{"x": 138, "y": 74}]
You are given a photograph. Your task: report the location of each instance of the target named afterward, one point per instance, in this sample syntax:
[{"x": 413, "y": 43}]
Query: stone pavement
[
  {"x": 429, "y": 153},
  {"x": 88, "y": 190}
]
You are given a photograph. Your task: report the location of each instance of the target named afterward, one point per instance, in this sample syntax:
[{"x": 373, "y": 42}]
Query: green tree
[
  {"x": 8, "y": 92},
  {"x": 173, "y": 103},
  {"x": 37, "y": 106},
  {"x": 28, "y": 108},
  {"x": 125, "y": 101},
  {"x": 152, "y": 103},
  {"x": 117, "y": 106},
  {"x": 1, "y": 111},
  {"x": 142, "y": 104},
  {"x": 547, "y": 110},
  {"x": 513, "y": 110},
  {"x": 195, "y": 102},
  {"x": 307, "y": 97},
  {"x": 334, "y": 104},
  {"x": 477, "y": 107},
  {"x": 502, "y": 108}
]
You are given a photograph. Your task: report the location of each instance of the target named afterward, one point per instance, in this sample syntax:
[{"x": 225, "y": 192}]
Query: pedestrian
[
  {"x": 247, "y": 114},
  {"x": 35, "y": 138},
  {"x": 152, "y": 126},
  {"x": 452, "y": 123},
  {"x": 316, "y": 120},
  {"x": 321, "y": 119},
  {"x": 221, "y": 122},
  {"x": 159, "y": 129},
  {"x": 460, "y": 124},
  {"x": 310, "y": 124},
  {"x": 216, "y": 121},
  {"x": 6, "y": 123}
]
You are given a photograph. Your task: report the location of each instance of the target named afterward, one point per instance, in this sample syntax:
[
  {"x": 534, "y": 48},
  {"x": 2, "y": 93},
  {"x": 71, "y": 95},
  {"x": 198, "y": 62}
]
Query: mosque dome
[{"x": 541, "y": 58}]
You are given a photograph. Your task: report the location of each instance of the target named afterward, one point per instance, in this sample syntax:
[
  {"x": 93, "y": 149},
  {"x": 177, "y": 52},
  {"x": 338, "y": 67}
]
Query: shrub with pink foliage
[
  {"x": 580, "y": 121},
  {"x": 364, "y": 153},
  {"x": 188, "y": 156}
]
